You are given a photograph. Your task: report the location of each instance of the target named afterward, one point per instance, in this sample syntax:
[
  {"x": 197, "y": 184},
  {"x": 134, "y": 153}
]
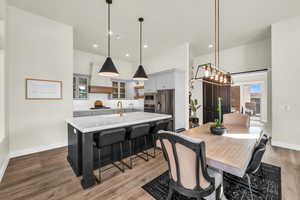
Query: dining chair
[
  {"x": 255, "y": 163},
  {"x": 264, "y": 139},
  {"x": 160, "y": 125},
  {"x": 188, "y": 171},
  {"x": 157, "y": 143},
  {"x": 236, "y": 119}
]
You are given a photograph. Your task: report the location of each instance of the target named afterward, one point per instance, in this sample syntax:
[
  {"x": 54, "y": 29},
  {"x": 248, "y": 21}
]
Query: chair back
[
  {"x": 256, "y": 159},
  {"x": 161, "y": 125},
  {"x": 139, "y": 131},
  {"x": 236, "y": 119},
  {"x": 110, "y": 137},
  {"x": 187, "y": 163},
  {"x": 264, "y": 139},
  {"x": 180, "y": 130}
]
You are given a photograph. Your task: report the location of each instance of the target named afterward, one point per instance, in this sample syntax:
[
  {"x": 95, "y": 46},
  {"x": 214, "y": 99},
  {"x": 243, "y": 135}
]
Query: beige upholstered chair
[
  {"x": 188, "y": 171},
  {"x": 236, "y": 119}
]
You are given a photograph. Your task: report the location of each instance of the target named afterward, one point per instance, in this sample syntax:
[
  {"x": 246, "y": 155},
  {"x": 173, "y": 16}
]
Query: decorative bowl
[{"x": 217, "y": 130}]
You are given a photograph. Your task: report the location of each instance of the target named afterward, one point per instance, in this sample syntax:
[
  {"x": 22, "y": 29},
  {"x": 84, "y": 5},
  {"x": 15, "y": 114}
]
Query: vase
[{"x": 217, "y": 130}]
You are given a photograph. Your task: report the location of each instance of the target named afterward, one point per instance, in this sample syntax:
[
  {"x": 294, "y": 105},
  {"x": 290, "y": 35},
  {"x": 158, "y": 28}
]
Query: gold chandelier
[{"x": 212, "y": 72}]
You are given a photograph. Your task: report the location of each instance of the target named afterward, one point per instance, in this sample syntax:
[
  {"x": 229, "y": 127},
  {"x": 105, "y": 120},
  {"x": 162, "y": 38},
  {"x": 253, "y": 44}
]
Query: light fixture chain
[
  {"x": 141, "y": 42},
  {"x": 109, "y": 31},
  {"x": 218, "y": 34},
  {"x": 215, "y": 35}
]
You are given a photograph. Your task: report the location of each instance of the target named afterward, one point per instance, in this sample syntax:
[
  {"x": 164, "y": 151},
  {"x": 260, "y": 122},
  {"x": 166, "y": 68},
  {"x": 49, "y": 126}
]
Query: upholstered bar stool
[
  {"x": 160, "y": 125},
  {"x": 110, "y": 138},
  {"x": 137, "y": 132}
]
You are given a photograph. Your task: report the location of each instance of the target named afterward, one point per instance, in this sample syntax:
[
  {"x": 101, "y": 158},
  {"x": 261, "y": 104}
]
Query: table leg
[{"x": 88, "y": 178}]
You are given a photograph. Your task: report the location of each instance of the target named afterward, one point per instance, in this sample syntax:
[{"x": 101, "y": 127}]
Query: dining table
[{"x": 230, "y": 152}]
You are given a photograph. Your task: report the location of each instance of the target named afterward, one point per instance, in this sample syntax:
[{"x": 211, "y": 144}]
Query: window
[
  {"x": 80, "y": 86},
  {"x": 119, "y": 90}
]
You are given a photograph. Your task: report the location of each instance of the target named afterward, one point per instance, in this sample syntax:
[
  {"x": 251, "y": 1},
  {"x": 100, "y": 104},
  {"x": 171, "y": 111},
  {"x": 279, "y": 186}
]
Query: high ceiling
[{"x": 167, "y": 22}]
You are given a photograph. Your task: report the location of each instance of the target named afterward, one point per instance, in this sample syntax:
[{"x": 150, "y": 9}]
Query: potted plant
[
  {"x": 217, "y": 128},
  {"x": 194, "y": 108}
]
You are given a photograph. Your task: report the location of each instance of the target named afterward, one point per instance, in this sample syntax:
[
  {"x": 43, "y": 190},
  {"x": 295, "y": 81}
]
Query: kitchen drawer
[
  {"x": 103, "y": 112},
  {"x": 81, "y": 113},
  {"x": 128, "y": 110}
]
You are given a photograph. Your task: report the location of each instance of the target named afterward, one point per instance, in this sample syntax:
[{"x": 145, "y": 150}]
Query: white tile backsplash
[{"x": 87, "y": 104}]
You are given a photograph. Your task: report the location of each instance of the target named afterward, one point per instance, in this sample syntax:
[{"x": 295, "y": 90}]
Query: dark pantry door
[{"x": 211, "y": 92}]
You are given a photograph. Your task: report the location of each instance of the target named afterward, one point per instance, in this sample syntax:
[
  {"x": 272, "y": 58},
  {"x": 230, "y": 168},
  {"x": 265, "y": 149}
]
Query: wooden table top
[{"x": 230, "y": 152}]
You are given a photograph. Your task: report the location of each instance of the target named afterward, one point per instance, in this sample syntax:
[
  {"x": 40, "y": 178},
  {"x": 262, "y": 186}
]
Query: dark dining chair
[
  {"x": 188, "y": 171},
  {"x": 255, "y": 163},
  {"x": 264, "y": 139}
]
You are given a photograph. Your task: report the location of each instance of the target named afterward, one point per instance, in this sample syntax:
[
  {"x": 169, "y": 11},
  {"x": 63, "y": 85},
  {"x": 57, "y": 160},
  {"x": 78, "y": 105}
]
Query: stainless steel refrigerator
[{"x": 165, "y": 103}]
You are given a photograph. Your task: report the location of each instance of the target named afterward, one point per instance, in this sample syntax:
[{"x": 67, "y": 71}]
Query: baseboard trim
[
  {"x": 36, "y": 150},
  {"x": 286, "y": 145},
  {"x": 4, "y": 167}
]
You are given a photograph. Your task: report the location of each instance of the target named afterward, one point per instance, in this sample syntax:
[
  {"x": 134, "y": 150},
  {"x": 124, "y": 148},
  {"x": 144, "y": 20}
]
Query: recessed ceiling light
[
  {"x": 118, "y": 37},
  {"x": 146, "y": 46},
  {"x": 95, "y": 46},
  {"x": 110, "y": 32},
  {"x": 210, "y": 46},
  {"x": 127, "y": 54}
]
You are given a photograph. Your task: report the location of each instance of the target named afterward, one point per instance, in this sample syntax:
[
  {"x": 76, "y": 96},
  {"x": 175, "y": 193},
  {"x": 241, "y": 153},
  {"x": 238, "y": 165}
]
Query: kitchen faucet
[{"x": 120, "y": 104}]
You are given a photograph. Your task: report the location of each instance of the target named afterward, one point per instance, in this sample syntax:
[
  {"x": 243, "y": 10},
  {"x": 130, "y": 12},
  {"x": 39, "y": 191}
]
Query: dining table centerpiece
[{"x": 217, "y": 128}]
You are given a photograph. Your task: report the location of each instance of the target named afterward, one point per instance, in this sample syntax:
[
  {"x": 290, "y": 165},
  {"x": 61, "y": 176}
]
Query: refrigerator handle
[{"x": 158, "y": 106}]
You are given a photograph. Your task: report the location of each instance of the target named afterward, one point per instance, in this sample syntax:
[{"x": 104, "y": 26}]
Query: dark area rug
[{"x": 266, "y": 184}]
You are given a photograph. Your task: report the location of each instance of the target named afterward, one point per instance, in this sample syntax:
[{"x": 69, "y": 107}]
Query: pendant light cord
[
  {"x": 215, "y": 33},
  {"x": 109, "y": 31},
  {"x": 218, "y": 34},
  {"x": 141, "y": 38}
]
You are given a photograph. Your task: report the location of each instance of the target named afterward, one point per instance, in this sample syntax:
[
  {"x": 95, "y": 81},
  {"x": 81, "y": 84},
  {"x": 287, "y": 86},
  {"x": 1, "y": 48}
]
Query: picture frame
[{"x": 42, "y": 89}]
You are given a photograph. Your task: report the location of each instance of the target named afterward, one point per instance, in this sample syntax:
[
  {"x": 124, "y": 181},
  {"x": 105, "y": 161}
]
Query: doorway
[{"x": 249, "y": 95}]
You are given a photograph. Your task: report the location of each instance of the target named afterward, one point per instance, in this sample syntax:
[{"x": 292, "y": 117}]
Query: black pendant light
[
  {"x": 140, "y": 74},
  {"x": 108, "y": 68}
]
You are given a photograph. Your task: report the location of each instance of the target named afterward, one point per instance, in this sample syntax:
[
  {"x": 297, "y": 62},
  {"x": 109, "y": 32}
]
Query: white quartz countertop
[{"x": 102, "y": 122}]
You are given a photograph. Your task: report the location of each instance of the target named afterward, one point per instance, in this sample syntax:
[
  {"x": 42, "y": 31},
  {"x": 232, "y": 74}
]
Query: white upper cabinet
[
  {"x": 160, "y": 81},
  {"x": 165, "y": 80},
  {"x": 150, "y": 84}
]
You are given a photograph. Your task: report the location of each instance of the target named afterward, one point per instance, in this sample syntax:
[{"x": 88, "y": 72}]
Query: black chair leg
[
  {"x": 249, "y": 184},
  {"x": 121, "y": 158},
  {"x": 154, "y": 147},
  {"x": 131, "y": 153},
  {"x": 147, "y": 154},
  {"x": 218, "y": 192},
  {"x": 99, "y": 154},
  {"x": 171, "y": 191}
]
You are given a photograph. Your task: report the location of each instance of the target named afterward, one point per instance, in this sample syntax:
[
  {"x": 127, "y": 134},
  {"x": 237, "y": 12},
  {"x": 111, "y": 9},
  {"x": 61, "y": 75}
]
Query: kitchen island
[{"x": 82, "y": 155}]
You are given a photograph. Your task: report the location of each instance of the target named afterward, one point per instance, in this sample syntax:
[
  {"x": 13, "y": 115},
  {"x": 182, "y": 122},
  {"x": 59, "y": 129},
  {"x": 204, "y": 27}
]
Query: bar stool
[
  {"x": 160, "y": 125},
  {"x": 109, "y": 138},
  {"x": 137, "y": 132}
]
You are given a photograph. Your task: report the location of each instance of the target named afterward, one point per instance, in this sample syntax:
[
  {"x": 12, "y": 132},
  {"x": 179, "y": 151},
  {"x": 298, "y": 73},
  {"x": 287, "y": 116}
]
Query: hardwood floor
[{"x": 47, "y": 175}]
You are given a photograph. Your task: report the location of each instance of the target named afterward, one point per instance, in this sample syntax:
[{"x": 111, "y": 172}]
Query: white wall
[
  {"x": 178, "y": 57},
  {"x": 285, "y": 83},
  {"x": 247, "y": 57},
  {"x": 4, "y": 138},
  {"x": 82, "y": 64},
  {"x": 38, "y": 48}
]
